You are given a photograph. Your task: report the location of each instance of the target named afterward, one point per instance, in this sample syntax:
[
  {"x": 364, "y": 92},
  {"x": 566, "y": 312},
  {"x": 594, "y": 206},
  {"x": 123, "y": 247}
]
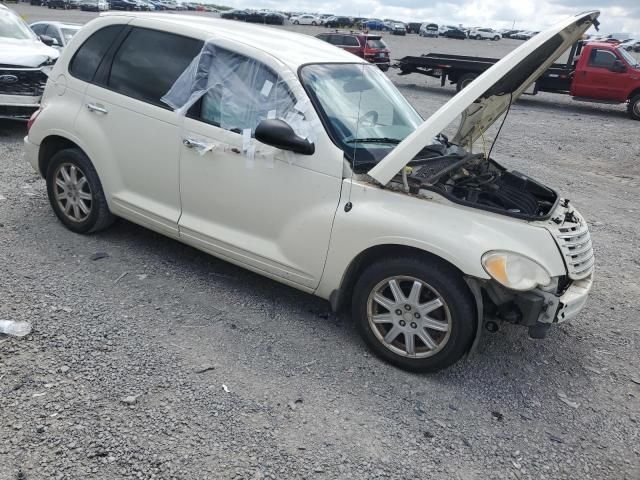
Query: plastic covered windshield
[
  {"x": 12, "y": 26},
  {"x": 364, "y": 113}
]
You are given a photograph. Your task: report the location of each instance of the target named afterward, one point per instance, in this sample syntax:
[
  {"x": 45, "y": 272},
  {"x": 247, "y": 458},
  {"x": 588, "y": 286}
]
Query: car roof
[
  {"x": 299, "y": 49},
  {"x": 55, "y": 22}
]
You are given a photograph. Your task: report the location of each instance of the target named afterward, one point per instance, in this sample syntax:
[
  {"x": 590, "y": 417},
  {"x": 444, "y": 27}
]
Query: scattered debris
[
  {"x": 497, "y": 416},
  {"x": 428, "y": 434},
  {"x": 295, "y": 404},
  {"x": 36, "y": 395},
  {"x": 555, "y": 438},
  {"x": 64, "y": 369},
  {"x": 15, "y": 328},
  {"x": 98, "y": 256},
  {"x": 130, "y": 400},
  {"x": 592, "y": 369},
  {"x": 225, "y": 388},
  {"x": 205, "y": 368},
  {"x": 142, "y": 276},
  {"x": 563, "y": 398},
  {"x": 635, "y": 380},
  {"x": 121, "y": 277}
]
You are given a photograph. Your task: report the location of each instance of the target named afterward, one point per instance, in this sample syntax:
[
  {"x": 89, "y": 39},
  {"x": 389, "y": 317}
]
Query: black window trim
[
  {"x": 116, "y": 43},
  {"x": 103, "y": 72}
]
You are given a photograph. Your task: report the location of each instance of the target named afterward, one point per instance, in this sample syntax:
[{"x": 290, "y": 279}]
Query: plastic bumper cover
[{"x": 31, "y": 151}]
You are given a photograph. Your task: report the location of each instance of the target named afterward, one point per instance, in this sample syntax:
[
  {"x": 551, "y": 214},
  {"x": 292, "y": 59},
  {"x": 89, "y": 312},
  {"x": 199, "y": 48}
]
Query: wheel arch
[
  {"x": 339, "y": 297},
  {"x": 634, "y": 93},
  {"x": 49, "y": 147}
]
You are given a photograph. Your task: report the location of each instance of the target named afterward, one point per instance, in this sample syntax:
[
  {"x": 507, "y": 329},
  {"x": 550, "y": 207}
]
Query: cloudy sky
[{"x": 617, "y": 15}]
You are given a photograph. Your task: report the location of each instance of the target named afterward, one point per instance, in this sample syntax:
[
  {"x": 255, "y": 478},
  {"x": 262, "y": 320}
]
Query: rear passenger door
[{"x": 136, "y": 136}]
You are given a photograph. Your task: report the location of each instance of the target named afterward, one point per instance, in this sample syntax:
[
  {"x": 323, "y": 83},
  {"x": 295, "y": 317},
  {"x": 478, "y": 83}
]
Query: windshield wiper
[{"x": 395, "y": 141}]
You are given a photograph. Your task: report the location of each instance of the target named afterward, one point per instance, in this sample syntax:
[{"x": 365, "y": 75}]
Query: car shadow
[{"x": 12, "y": 128}]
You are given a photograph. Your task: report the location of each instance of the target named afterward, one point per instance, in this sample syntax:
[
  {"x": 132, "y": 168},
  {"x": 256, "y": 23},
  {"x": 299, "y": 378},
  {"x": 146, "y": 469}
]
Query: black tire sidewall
[
  {"x": 80, "y": 160},
  {"x": 632, "y": 103},
  {"x": 447, "y": 282}
]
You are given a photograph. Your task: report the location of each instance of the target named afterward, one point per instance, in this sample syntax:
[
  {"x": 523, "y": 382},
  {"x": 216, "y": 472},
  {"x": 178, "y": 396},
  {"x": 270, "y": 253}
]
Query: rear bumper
[{"x": 31, "y": 153}]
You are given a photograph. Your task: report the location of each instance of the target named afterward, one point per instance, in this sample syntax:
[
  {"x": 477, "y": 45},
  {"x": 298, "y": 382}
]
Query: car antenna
[
  {"x": 501, "y": 125},
  {"x": 348, "y": 206}
]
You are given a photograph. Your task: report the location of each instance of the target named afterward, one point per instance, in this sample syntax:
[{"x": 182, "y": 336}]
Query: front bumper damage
[{"x": 537, "y": 309}]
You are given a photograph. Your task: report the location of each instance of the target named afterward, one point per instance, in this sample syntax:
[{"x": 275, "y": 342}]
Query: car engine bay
[{"x": 476, "y": 181}]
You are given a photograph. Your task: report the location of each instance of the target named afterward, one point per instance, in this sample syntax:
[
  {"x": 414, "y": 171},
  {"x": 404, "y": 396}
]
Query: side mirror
[
  {"x": 279, "y": 134},
  {"x": 47, "y": 40},
  {"x": 618, "y": 67}
]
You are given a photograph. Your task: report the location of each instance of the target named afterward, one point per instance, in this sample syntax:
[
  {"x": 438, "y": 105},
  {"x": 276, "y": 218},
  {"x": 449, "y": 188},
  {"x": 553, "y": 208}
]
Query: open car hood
[{"x": 482, "y": 102}]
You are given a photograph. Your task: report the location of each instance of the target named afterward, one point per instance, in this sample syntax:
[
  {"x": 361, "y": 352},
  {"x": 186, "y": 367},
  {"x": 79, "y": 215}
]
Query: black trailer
[{"x": 461, "y": 70}]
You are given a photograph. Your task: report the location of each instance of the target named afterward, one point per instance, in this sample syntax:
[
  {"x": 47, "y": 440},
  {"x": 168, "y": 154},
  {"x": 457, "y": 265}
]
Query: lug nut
[
  {"x": 402, "y": 323},
  {"x": 414, "y": 325},
  {"x": 417, "y": 315},
  {"x": 398, "y": 312},
  {"x": 407, "y": 307}
]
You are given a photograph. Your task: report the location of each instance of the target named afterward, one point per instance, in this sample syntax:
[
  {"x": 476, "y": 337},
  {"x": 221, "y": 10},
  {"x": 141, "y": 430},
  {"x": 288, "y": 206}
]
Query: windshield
[
  {"x": 629, "y": 58},
  {"x": 364, "y": 112},
  {"x": 12, "y": 26},
  {"x": 69, "y": 32}
]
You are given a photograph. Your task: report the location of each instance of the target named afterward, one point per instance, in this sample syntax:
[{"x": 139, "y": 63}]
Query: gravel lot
[{"x": 158, "y": 361}]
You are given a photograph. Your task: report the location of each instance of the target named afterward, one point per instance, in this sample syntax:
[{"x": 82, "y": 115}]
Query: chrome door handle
[
  {"x": 191, "y": 143},
  {"x": 96, "y": 108}
]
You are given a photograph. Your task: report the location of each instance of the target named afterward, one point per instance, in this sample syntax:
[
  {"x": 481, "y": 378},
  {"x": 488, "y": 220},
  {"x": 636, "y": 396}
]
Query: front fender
[{"x": 457, "y": 234}]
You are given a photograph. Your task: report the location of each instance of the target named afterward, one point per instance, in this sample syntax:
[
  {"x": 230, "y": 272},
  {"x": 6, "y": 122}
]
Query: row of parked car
[{"x": 129, "y": 5}]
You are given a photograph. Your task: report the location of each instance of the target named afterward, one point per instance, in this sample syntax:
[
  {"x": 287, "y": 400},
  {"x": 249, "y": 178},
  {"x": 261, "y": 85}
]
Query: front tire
[
  {"x": 414, "y": 313},
  {"x": 634, "y": 107},
  {"x": 76, "y": 194}
]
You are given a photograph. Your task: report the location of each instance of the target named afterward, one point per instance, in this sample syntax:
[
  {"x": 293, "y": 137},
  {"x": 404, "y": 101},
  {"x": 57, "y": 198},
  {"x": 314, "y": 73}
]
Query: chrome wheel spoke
[
  {"x": 434, "y": 324},
  {"x": 396, "y": 291},
  {"x": 429, "y": 307},
  {"x": 73, "y": 174},
  {"x": 426, "y": 339},
  {"x": 410, "y": 343},
  {"x": 76, "y": 211},
  {"x": 67, "y": 207},
  {"x": 392, "y": 334},
  {"x": 414, "y": 295},
  {"x": 65, "y": 175},
  {"x": 60, "y": 183},
  {"x": 82, "y": 182},
  {"x": 382, "y": 318},
  {"x": 85, "y": 196},
  {"x": 383, "y": 301},
  {"x": 83, "y": 207}
]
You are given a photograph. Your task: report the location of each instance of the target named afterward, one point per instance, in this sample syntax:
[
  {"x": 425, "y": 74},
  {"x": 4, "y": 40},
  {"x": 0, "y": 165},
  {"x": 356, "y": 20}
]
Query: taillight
[{"x": 33, "y": 119}]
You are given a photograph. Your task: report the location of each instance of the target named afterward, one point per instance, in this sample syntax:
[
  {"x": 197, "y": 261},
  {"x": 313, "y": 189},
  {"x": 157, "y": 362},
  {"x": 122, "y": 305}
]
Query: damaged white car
[
  {"x": 297, "y": 160},
  {"x": 24, "y": 63}
]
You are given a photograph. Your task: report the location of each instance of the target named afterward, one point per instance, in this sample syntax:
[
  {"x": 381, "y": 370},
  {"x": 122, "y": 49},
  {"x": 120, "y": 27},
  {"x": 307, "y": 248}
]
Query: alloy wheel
[
  {"x": 409, "y": 317},
  {"x": 72, "y": 192}
]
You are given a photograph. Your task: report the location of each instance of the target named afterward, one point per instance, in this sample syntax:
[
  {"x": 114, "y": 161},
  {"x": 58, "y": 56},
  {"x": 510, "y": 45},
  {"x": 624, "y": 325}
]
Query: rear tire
[
  {"x": 428, "y": 322},
  {"x": 634, "y": 107},
  {"x": 75, "y": 192},
  {"x": 464, "y": 81},
  {"x": 496, "y": 38}
]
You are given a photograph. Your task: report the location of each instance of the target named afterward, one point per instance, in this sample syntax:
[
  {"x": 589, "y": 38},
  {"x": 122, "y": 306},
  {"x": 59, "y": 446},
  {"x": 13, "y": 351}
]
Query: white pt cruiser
[{"x": 299, "y": 161}]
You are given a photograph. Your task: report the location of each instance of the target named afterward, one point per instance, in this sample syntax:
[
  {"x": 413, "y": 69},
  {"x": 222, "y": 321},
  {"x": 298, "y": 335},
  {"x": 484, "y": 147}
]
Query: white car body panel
[
  {"x": 287, "y": 222},
  {"x": 479, "y": 117}
]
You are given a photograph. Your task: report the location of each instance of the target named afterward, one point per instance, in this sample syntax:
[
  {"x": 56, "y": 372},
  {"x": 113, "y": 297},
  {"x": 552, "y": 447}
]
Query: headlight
[{"x": 515, "y": 271}]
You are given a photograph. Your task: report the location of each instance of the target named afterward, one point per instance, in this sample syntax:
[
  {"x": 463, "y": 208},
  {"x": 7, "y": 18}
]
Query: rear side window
[
  {"x": 350, "y": 41},
  {"x": 87, "y": 59},
  {"x": 148, "y": 63}
]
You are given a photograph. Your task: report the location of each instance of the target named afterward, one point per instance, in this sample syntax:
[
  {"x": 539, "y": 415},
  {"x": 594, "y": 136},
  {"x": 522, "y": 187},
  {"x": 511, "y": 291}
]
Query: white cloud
[{"x": 616, "y": 16}]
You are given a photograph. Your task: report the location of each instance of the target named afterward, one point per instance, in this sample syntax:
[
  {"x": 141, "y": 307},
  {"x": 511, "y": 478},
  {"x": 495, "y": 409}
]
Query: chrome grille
[
  {"x": 22, "y": 81},
  {"x": 575, "y": 243}
]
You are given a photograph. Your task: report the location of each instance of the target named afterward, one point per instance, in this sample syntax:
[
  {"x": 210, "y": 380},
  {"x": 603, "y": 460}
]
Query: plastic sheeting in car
[{"x": 236, "y": 92}]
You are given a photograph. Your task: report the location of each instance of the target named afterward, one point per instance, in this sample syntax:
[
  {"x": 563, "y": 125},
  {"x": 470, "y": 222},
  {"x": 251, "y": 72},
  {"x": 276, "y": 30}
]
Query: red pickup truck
[{"x": 594, "y": 72}]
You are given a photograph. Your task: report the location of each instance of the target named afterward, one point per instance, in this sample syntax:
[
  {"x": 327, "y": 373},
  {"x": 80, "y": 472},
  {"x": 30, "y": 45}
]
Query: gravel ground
[{"x": 158, "y": 361}]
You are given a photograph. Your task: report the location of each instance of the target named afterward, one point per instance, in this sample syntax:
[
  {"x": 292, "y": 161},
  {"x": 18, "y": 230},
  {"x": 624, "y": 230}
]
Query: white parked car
[
  {"x": 299, "y": 161},
  {"x": 24, "y": 63},
  {"x": 306, "y": 20},
  {"x": 484, "y": 34},
  {"x": 60, "y": 32}
]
